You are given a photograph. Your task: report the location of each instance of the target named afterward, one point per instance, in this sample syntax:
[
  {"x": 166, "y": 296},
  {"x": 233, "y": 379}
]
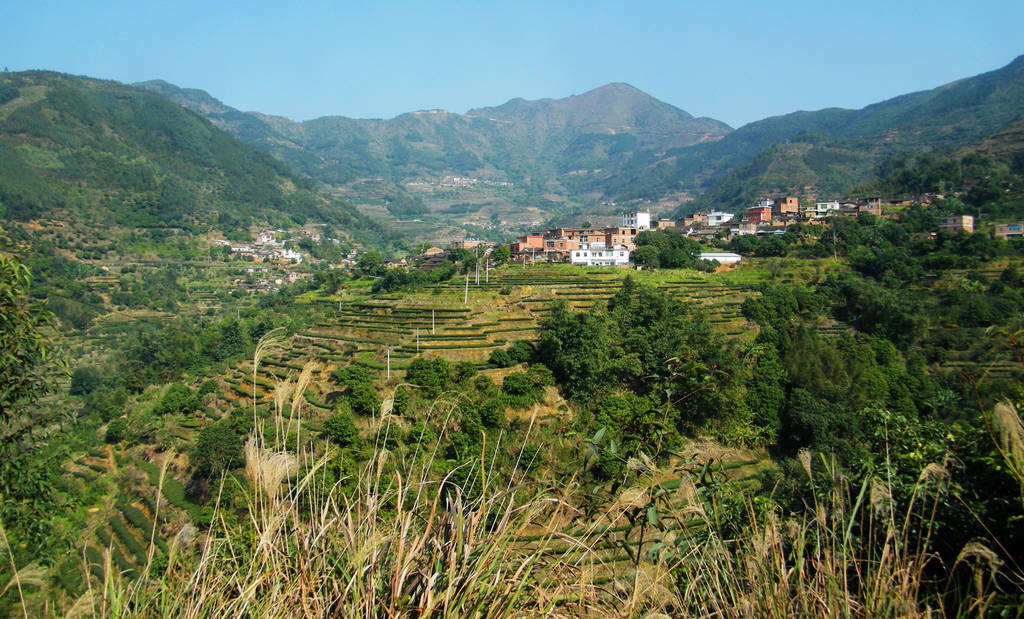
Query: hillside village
[
  {"x": 613, "y": 360},
  {"x": 611, "y": 246},
  {"x": 279, "y": 257}
]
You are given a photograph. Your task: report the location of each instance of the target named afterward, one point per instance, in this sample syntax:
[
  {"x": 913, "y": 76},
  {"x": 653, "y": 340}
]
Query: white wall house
[
  {"x": 637, "y": 220},
  {"x": 600, "y": 257},
  {"x": 823, "y": 209},
  {"x": 717, "y": 218},
  {"x": 723, "y": 257},
  {"x": 291, "y": 254}
]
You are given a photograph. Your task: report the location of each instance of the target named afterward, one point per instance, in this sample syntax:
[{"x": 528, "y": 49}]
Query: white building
[
  {"x": 765, "y": 203},
  {"x": 637, "y": 220},
  {"x": 617, "y": 256},
  {"x": 717, "y": 218},
  {"x": 823, "y": 209},
  {"x": 723, "y": 257},
  {"x": 291, "y": 254}
]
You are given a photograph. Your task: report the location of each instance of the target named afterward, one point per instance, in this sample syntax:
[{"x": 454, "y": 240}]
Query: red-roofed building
[{"x": 758, "y": 214}]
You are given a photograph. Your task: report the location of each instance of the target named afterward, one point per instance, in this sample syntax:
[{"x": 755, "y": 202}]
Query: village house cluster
[
  {"x": 611, "y": 246},
  {"x": 266, "y": 248},
  {"x": 773, "y": 215},
  {"x": 592, "y": 246}
]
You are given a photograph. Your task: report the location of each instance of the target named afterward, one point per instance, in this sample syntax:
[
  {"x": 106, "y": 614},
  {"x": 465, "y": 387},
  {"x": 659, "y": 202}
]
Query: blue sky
[{"x": 734, "y": 61}]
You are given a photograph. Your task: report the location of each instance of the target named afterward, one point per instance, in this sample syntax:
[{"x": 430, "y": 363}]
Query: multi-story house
[{"x": 953, "y": 223}]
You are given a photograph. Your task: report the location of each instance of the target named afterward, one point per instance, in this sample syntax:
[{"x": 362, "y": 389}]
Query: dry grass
[
  {"x": 396, "y": 541},
  {"x": 395, "y": 547}
]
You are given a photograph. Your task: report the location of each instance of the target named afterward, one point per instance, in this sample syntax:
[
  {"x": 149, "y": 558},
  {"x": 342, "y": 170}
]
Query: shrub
[
  {"x": 218, "y": 448},
  {"x": 420, "y": 432},
  {"x": 351, "y": 375},
  {"x": 177, "y": 399},
  {"x": 434, "y": 374},
  {"x": 492, "y": 413},
  {"x": 341, "y": 429},
  {"x": 464, "y": 370},
  {"x": 521, "y": 351},
  {"x": 208, "y": 387},
  {"x": 500, "y": 359},
  {"x": 85, "y": 380},
  {"x": 116, "y": 430},
  {"x": 130, "y": 543},
  {"x": 363, "y": 399},
  {"x": 402, "y": 398},
  {"x": 521, "y": 390}
]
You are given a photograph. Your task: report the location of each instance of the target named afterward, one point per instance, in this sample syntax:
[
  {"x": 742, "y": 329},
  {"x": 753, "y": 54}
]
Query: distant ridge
[
  {"x": 617, "y": 142},
  {"x": 548, "y": 141},
  {"x": 102, "y": 154}
]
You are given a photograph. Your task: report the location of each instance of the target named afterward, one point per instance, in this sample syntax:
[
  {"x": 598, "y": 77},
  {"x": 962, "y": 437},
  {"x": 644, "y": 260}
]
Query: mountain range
[
  {"x": 547, "y": 144},
  {"x": 105, "y": 155},
  {"x": 618, "y": 143},
  {"x": 156, "y": 155}
]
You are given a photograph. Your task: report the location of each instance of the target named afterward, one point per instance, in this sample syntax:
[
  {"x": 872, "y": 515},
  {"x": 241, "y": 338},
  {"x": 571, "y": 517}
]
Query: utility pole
[
  {"x": 477, "y": 265},
  {"x": 389, "y": 363},
  {"x": 417, "y": 341},
  {"x": 487, "y": 270},
  {"x": 432, "y": 331},
  {"x": 465, "y": 299}
]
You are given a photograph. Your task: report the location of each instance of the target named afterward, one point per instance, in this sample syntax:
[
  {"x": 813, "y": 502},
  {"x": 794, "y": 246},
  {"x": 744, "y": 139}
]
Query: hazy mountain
[
  {"x": 941, "y": 119},
  {"x": 102, "y": 153},
  {"x": 543, "y": 141},
  {"x": 618, "y": 142}
]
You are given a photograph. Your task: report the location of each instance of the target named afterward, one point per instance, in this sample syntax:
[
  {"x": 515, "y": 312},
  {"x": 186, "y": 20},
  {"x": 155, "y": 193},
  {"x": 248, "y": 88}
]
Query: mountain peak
[
  {"x": 198, "y": 100},
  {"x": 615, "y": 104},
  {"x": 618, "y": 89}
]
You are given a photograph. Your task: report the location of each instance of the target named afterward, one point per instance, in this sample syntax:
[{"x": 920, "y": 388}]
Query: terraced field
[
  {"x": 647, "y": 522},
  {"x": 498, "y": 311},
  {"x": 369, "y": 331},
  {"x": 129, "y": 525}
]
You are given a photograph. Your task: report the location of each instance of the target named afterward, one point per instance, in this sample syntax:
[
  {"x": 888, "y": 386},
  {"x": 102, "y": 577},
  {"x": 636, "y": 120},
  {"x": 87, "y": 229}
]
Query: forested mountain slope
[
  {"x": 836, "y": 149},
  {"x": 618, "y": 142},
  {"x": 548, "y": 143},
  {"x": 100, "y": 153}
]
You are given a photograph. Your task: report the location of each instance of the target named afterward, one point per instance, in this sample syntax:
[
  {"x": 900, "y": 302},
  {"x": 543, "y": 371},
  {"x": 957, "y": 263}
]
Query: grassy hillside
[
  {"x": 566, "y": 146},
  {"x": 99, "y": 153},
  {"x": 942, "y": 120},
  {"x": 616, "y": 142}
]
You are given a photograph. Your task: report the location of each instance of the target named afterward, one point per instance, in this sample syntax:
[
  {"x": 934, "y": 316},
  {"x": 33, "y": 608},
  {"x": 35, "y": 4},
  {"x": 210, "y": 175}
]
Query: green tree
[
  {"x": 117, "y": 429},
  {"x": 218, "y": 448},
  {"x": 27, "y": 357},
  {"x": 231, "y": 343},
  {"x": 85, "y": 380},
  {"x": 646, "y": 255},
  {"x": 177, "y": 399},
  {"x": 521, "y": 351},
  {"x": 363, "y": 399},
  {"x": 434, "y": 375},
  {"x": 371, "y": 264},
  {"x": 341, "y": 429},
  {"x": 502, "y": 254},
  {"x": 500, "y": 358}
]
